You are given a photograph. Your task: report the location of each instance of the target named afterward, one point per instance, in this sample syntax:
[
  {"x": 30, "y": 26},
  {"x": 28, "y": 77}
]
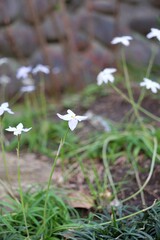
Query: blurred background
[{"x": 73, "y": 38}]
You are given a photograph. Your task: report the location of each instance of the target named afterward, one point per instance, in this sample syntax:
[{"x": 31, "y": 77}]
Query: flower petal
[
  {"x": 65, "y": 117},
  {"x": 5, "y": 105},
  {"x": 72, "y": 123},
  {"x": 11, "y": 129},
  {"x": 81, "y": 118},
  {"x": 19, "y": 126},
  {"x": 26, "y": 129},
  {"x": 71, "y": 113}
]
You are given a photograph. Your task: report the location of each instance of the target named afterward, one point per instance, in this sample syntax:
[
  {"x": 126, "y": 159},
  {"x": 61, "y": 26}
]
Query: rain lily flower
[
  {"x": 40, "y": 68},
  {"x": 23, "y": 72},
  {"x": 125, "y": 40},
  {"x": 29, "y": 88},
  {"x": 18, "y": 129},
  {"x": 4, "y": 80},
  {"x": 3, "y": 61},
  {"x": 72, "y": 119},
  {"x": 154, "y": 33},
  {"x": 106, "y": 76},
  {"x": 5, "y": 108},
  {"x": 149, "y": 84}
]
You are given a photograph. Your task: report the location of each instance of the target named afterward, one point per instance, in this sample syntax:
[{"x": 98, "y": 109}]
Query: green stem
[
  {"x": 20, "y": 187},
  {"x": 50, "y": 178},
  {"x": 152, "y": 116},
  {"x": 129, "y": 89},
  {"x": 3, "y": 151},
  {"x": 149, "y": 175}
]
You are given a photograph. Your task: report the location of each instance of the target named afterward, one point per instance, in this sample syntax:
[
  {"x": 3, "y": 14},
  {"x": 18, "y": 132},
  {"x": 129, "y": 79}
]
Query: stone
[
  {"x": 38, "y": 7},
  {"x": 81, "y": 41},
  {"x": 55, "y": 58},
  {"x": 53, "y": 28},
  {"x": 156, "y": 3},
  {"x": 93, "y": 61},
  {"x": 9, "y": 11},
  {"x": 143, "y": 25},
  {"x": 22, "y": 39},
  {"x": 139, "y": 52},
  {"x": 104, "y": 28},
  {"x": 105, "y": 7},
  {"x": 15, "y": 38}
]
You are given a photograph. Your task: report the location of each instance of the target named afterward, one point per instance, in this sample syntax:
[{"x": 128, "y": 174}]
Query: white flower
[
  {"x": 18, "y": 130},
  {"x": 29, "y": 88},
  {"x": 22, "y": 72},
  {"x": 149, "y": 84},
  {"x": 5, "y": 108},
  {"x": 125, "y": 40},
  {"x": 27, "y": 81},
  {"x": 154, "y": 33},
  {"x": 106, "y": 76},
  {"x": 40, "y": 68},
  {"x": 3, "y": 61},
  {"x": 4, "y": 80},
  {"x": 72, "y": 119}
]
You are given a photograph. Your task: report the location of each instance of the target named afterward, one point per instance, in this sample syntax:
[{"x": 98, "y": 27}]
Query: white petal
[
  {"x": 19, "y": 126},
  {"x": 81, "y": 118},
  {"x": 72, "y": 124},
  {"x": 9, "y": 111},
  {"x": 17, "y": 132},
  {"x": 4, "y": 105},
  {"x": 26, "y": 129},
  {"x": 65, "y": 117},
  {"x": 11, "y": 129},
  {"x": 1, "y": 111},
  {"x": 71, "y": 113}
]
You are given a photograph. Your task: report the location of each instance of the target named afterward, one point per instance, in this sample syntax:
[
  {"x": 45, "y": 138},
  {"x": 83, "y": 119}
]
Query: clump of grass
[{"x": 12, "y": 224}]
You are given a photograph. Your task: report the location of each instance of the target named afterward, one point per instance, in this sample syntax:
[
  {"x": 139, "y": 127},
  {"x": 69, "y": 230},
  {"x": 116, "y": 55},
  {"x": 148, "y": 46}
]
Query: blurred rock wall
[{"x": 73, "y": 36}]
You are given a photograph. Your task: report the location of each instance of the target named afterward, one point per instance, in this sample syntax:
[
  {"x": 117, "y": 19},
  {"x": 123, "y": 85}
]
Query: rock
[
  {"x": 9, "y": 11},
  {"x": 139, "y": 52},
  {"x": 55, "y": 58},
  {"x": 37, "y": 7},
  {"x": 73, "y": 5},
  {"x": 102, "y": 6},
  {"x": 24, "y": 40},
  {"x": 156, "y": 3},
  {"x": 93, "y": 61},
  {"x": 81, "y": 41},
  {"x": 143, "y": 24},
  {"x": 104, "y": 28},
  {"x": 53, "y": 27}
]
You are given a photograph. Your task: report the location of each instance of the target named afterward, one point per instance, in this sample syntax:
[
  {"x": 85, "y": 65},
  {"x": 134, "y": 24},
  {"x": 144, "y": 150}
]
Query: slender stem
[
  {"x": 129, "y": 89},
  {"x": 50, "y": 177},
  {"x": 148, "y": 72},
  {"x": 3, "y": 150},
  {"x": 152, "y": 116},
  {"x": 149, "y": 175},
  {"x": 20, "y": 187}
]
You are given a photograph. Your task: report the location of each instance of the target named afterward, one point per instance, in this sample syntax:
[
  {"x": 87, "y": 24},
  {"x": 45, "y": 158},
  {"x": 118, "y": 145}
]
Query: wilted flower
[
  {"x": 154, "y": 33},
  {"x": 106, "y": 76},
  {"x": 72, "y": 119},
  {"x": 5, "y": 108},
  {"x": 22, "y": 72},
  {"x": 149, "y": 84},
  {"x": 3, "y": 61},
  {"x": 29, "y": 88},
  {"x": 4, "y": 80},
  {"x": 18, "y": 129},
  {"x": 40, "y": 68},
  {"x": 125, "y": 40}
]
